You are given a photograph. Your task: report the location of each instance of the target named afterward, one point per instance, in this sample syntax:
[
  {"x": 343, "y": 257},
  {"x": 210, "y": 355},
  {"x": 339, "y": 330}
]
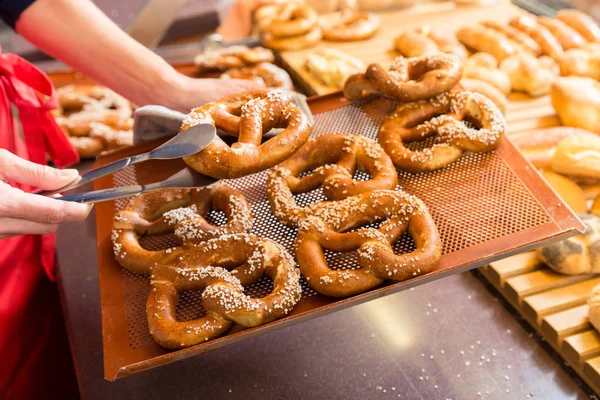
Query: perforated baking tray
[{"x": 486, "y": 207}]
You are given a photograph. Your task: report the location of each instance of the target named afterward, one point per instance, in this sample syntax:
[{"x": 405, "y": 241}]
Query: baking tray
[{"x": 486, "y": 207}]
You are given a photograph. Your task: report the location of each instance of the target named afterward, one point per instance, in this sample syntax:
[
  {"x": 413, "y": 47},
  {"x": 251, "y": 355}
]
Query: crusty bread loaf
[{"x": 577, "y": 255}]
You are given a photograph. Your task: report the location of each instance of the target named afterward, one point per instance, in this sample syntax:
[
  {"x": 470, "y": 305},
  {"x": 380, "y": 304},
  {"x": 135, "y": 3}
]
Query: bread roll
[
  {"x": 568, "y": 190},
  {"x": 489, "y": 91},
  {"x": 529, "y": 74},
  {"x": 577, "y": 102},
  {"x": 484, "y": 67},
  {"x": 480, "y": 38},
  {"x": 578, "y": 157},
  {"x": 581, "y": 62},
  {"x": 539, "y": 145},
  {"x": 414, "y": 44},
  {"x": 577, "y": 255}
]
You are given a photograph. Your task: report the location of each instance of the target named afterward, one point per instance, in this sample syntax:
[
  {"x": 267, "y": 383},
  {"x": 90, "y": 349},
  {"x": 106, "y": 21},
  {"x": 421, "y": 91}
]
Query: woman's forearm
[{"x": 79, "y": 34}]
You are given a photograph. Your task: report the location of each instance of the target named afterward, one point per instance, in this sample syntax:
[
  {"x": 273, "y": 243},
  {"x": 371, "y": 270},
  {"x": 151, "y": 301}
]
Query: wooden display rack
[{"x": 555, "y": 305}]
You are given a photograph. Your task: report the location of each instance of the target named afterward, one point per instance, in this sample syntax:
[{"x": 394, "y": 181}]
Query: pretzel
[
  {"x": 399, "y": 211},
  {"x": 582, "y": 23},
  {"x": 333, "y": 160},
  {"x": 233, "y": 57},
  {"x": 266, "y": 74},
  {"x": 460, "y": 121},
  {"x": 348, "y": 26},
  {"x": 531, "y": 75},
  {"x": 94, "y": 118},
  {"x": 547, "y": 42},
  {"x": 247, "y": 116},
  {"x": 332, "y": 67},
  {"x": 181, "y": 212},
  {"x": 480, "y": 38},
  {"x": 288, "y": 26},
  {"x": 414, "y": 44},
  {"x": 207, "y": 268},
  {"x": 409, "y": 79},
  {"x": 566, "y": 36},
  {"x": 484, "y": 67},
  {"x": 523, "y": 40},
  {"x": 446, "y": 44}
]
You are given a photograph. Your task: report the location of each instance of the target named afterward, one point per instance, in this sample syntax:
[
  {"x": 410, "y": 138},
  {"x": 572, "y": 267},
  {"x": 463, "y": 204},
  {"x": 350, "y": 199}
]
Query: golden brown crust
[
  {"x": 484, "y": 67},
  {"x": 480, "y": 38},
  {"x": 460, "y": 121},
  {"x": 181, "y": 212},
  {"x": 566, "y": 36},
  {"x": 208, "y": 268},
  {"x": 408, "y": 79},
  {"x": 580, "y": 22},
  {"x": 233, "y": 57},
  {"x": 489, "y": 91},
  {"x": 267, "y": 74},
  {"x": 288, "y": 26},
  {"x": 400, "y": 213},
  {"x": 247, "y": 116},
  {"x": 413, "y": 44},
  {"x": 523, "y": 40},
  {"x": 445, "y": 43},
  {"x": 547, "y": 42},
  {"x": 332, "y": 67},
  {"x": 333, "y": 160},
  {"x": 349, "y": 26},
  {"x": 529, "y": 74}
]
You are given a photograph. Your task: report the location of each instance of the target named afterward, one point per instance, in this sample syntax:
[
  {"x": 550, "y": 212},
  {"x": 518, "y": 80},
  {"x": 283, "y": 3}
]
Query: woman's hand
[{"x": 25, "y": 213}]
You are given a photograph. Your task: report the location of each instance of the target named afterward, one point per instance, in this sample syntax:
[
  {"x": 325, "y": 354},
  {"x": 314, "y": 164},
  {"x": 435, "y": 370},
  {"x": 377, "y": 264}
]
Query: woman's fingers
[
  {"x": 16, "y": 169},
  {"x": 15, "y": 226},
  {"x": 15, "y": 203}
]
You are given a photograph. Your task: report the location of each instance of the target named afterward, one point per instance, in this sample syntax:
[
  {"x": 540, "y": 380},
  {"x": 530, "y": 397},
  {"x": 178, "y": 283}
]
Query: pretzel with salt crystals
[
  {"x": 333, "y": 160},
  {"x": 247, "y": 116},
  {"x": 181, "y": 212},
  {"x": 233, "y": 57},
  {"x": 267, "y": 74},
  {"x": 459, "y": 120},
  {"x": 409, "y": 79},
  {"x": 348, "y": 26},
  {"x": 328, "y": 228},
  {"x": 208, "y": 268}
]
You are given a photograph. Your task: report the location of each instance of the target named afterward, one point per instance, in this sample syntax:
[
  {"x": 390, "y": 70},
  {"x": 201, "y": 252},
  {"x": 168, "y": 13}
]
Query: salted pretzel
[
  {"x": 484, "y": 67},
  {"x": 333, "y": 159},
  {"x": 408, "y": 79},
  {"x": 582, "y": 23},
  {"x": 267, "y": 74},
  {"x": 329, "y": 228},
  {"x": 547, "y": 42},
  {"x": 459, "y": 121},
  {"x": 208, "y": 267},
  {"x": 233, "y": 57},
  {"x": 482, "y": 39},
  {"x": 529, "y": 74},
  {"x": 348, "y": 26},
  {"x": 181, "y": 212},
  {"x": 522, "y": 40},
  {"x": 247, "y": 116},
  {"x": 566, "y": 36},
  {"x": 94, "y": 118},
  {"x": 288, "y": 26}
]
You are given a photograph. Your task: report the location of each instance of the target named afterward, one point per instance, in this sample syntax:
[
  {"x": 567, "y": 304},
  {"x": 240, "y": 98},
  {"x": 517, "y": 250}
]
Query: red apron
[{"x": 35, "y": 358}]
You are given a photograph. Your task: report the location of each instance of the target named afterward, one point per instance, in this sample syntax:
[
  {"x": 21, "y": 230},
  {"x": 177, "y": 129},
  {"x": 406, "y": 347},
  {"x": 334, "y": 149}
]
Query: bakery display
[
  {"x": 458, "y": 121},
  {"x": 577, "y": 102},
  {"x": 578, "y": 254},
  {"x": 208, "y": 268},
  {"x": 181, "y": 212},
  {"x": 265, "y": 73},
  {"x": 346, "y": 25},
  {"x": 529, "y": 74},
  {"x": 332, "y": 67},
  {"x": 94, "y": 118},
  {"x": 408, "y": 79},
  {"x": 248, "y": 116},
  {"x": 239, "y": 56},
  {"x": 330, "y": 161},
  {"x": 332, "y": 226},
  {"x": 288, "y": 26}
]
